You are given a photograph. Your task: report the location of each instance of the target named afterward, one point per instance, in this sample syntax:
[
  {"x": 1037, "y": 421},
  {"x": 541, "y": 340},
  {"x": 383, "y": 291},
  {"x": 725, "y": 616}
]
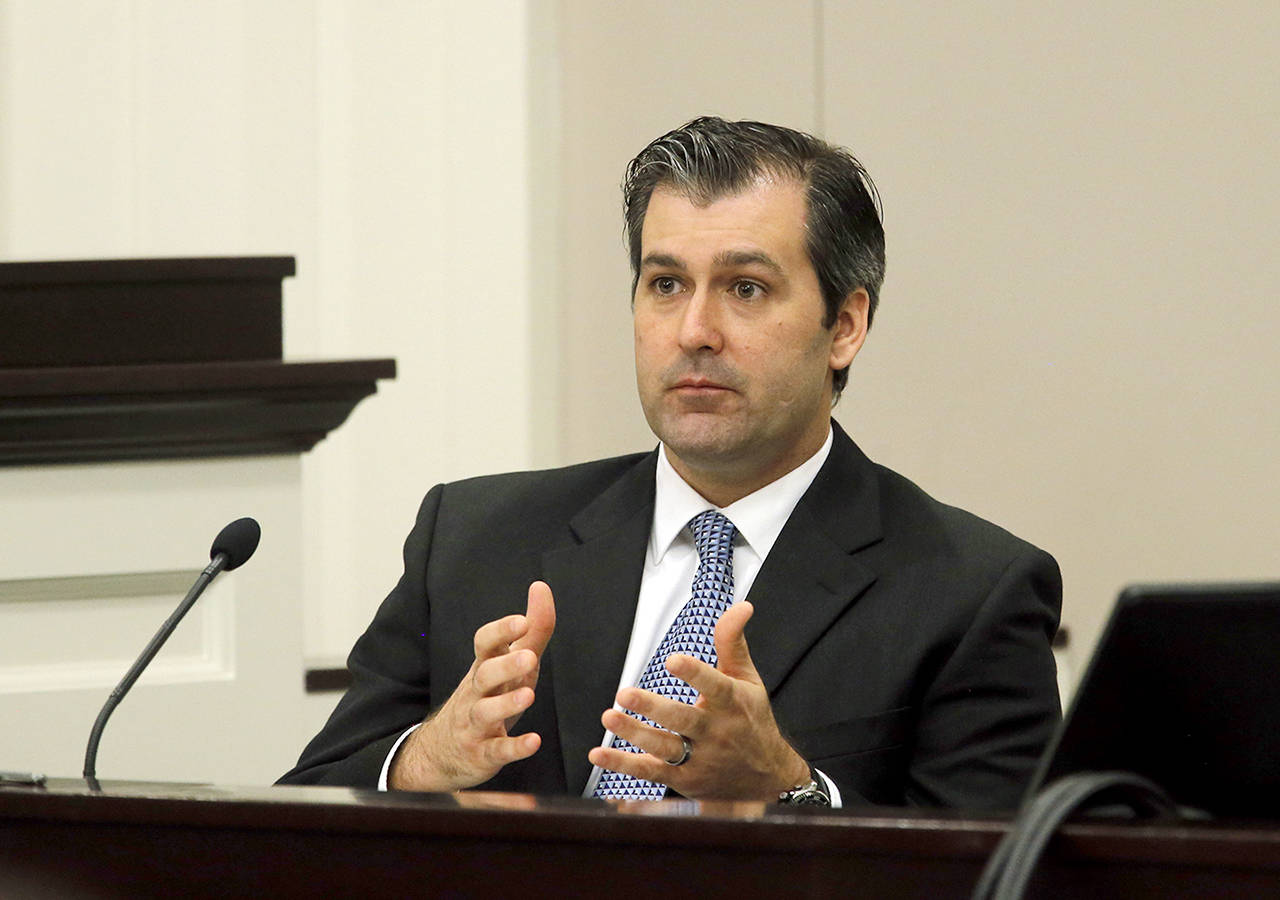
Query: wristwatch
[{"x": 812, "y": 793}]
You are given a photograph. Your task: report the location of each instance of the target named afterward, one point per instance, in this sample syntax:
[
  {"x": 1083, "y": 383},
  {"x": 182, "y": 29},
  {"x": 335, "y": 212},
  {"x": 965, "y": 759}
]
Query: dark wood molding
[
  {"x": 127, "y": 312},
  {"x": 177, "y": 410},
  {"x": 140, "y": 271},
  {"x": 325, "y": 681}
]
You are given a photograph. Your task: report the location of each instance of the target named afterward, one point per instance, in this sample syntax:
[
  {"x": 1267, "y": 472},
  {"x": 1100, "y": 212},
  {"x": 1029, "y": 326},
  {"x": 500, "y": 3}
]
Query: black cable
[{"x": 1013, "y": 862}]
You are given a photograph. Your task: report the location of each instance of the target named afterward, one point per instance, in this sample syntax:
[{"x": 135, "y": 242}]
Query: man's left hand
[{"x": 737, "y": 751}]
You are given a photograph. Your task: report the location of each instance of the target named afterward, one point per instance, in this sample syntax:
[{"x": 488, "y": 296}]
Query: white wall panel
[
  {"x": 385, "y": 145},
  {"x": 66, "y": 129},
  {"x": 81, "y": 632},
  {"x": 423, "y": 217},
  {"x": 151, "y": 128},
  {"x": 225, "y": 700}
]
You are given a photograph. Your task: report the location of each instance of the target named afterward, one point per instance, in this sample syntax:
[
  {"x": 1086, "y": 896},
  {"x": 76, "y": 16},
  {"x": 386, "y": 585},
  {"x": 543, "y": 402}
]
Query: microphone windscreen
[{"x": 238, "y": 541}]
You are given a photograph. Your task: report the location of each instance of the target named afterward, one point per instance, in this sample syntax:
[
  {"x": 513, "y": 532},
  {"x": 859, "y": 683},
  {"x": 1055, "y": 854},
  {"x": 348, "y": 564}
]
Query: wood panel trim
[
  {"x": 327, "y": 680},
  {"x": 177, "y": 410}
]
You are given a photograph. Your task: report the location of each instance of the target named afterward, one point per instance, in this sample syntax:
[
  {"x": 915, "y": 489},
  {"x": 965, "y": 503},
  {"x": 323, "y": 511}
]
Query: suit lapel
[
  {"x": 596, "y": 585},
  {"x": 809, "y": 578},
  {"x": 811, "y": 575}
]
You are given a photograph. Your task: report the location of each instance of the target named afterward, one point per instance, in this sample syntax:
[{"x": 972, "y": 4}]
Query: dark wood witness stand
[
  {"x": 160, "y": 359},
  {"x": 151, "y": 840}
]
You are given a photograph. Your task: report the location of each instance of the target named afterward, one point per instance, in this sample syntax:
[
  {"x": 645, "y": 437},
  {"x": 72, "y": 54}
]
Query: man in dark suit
[{"x": 884, "y": 648}]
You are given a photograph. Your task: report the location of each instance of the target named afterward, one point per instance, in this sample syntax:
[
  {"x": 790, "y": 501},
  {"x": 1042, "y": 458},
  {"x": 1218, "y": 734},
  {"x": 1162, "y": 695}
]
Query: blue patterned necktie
[{"x": 692, "y": 633}]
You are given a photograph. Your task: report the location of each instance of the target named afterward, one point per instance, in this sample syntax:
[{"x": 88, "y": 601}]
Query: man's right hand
[{"x": 465, "y": 742}]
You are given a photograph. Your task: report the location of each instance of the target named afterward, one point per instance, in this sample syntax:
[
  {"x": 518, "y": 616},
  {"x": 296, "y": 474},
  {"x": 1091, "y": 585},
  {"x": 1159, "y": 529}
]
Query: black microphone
[{"x": 231, "y": 548}]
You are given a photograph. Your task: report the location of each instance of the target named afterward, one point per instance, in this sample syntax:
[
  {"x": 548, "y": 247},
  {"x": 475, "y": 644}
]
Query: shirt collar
[{"x": 758, "y": 517}]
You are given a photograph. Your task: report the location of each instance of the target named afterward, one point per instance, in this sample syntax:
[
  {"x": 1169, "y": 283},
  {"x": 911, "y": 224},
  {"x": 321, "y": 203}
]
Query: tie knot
[{"x": 712, "y": 535}]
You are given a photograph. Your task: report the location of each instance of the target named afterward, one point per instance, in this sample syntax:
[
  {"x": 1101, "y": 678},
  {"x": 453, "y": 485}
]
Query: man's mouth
[
  {"x": 698, "y": 384},
  {"x": 701, "y": 392}
]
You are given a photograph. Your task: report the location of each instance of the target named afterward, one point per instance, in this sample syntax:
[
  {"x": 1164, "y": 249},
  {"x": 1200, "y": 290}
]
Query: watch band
[{"x": 811, "y": 793}]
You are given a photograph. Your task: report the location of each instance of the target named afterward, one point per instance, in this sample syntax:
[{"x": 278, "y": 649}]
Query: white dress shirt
[{"x": 671, "y": 561}]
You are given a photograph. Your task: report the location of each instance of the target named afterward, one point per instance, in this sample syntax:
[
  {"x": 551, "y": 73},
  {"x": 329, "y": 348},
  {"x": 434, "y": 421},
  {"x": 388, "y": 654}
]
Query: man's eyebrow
[
  {"x": 730, "y": 258},
  {"x": 661, "y": 261}
]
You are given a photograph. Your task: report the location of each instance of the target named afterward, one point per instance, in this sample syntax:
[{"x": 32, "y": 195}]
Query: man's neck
[{"x": 722, "y": 485}]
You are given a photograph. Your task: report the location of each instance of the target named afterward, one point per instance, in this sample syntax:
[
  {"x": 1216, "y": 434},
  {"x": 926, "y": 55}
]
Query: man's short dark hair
[{"x": 709, "y": 158}]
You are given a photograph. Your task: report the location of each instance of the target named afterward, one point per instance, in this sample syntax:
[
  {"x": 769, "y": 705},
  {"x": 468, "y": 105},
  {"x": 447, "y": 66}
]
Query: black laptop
[{"x": 1184, "y": 689}]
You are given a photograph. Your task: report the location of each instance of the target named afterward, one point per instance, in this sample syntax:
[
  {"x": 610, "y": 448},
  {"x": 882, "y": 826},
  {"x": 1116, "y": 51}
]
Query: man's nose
[{"x": 700, "y": 324}]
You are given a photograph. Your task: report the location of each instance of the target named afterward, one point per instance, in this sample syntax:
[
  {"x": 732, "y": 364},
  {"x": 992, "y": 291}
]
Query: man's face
[{"x": 733, "y": 363}]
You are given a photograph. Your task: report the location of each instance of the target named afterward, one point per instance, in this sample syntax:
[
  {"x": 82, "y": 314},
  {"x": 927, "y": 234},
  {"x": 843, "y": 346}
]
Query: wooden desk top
[{"x": 149, "y": 839}]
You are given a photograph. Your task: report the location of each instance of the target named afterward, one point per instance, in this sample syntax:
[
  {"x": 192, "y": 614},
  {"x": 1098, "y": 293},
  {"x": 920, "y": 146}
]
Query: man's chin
[{"x": 703, "y": 448}]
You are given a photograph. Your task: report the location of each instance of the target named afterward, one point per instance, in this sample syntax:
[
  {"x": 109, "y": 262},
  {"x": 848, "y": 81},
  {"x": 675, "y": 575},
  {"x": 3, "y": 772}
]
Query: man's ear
[{"x": 849, "y": 329}]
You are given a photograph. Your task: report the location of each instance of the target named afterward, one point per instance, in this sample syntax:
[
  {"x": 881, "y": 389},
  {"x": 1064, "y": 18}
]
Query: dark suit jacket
[{"x": 905, "y": 644}]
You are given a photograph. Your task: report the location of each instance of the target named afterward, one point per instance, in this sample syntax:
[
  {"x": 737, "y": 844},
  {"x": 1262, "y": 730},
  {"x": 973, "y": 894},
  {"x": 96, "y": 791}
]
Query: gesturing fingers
[
  {"x": 496, "y": 637},
  {"x": 639, "y": 765},
  {"x": 488, "y": 715},
  {"x": 499, "y": 672},
  {"x": 731, "y": 643},
  {"x": 530, "y": 631},
  {"x": 468, "y": 738},
  {"x": 670, "y": 714},
  {"x": 714, "y": 687},
  {"x": 661, "y": 749},
  {"x": 489, "y": 754},
  {"x": 737, "y": 751},
  {"x": 540, "y": 618}
]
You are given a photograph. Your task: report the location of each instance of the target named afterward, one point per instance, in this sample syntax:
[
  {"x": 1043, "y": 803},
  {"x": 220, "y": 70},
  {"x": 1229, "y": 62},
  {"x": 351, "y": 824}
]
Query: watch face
[{"x": 809, "y": 795}]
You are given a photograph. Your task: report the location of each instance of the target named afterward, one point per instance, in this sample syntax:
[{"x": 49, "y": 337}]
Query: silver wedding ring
[{"x": 686, "y": 751}]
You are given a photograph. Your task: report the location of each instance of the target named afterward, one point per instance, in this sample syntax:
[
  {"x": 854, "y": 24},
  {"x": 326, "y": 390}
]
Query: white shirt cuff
[
  {"x": 386, "y": 765},
  {"x": 832, "y": 791}
]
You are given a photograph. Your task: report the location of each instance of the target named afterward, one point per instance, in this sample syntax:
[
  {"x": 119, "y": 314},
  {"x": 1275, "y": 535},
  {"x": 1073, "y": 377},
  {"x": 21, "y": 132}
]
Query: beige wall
[
  {"x": 1077, "y": 333},
  {"x": 631, "y": 72}
]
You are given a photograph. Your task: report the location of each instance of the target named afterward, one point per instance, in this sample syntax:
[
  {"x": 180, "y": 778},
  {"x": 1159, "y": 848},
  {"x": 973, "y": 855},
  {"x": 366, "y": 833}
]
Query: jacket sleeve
[
  {"x": 390, "y": 672},
  {"x": 986, "y": 718}
]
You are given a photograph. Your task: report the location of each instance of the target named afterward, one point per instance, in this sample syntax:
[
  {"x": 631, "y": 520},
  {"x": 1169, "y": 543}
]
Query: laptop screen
[{"x": 1184, "y": 689}]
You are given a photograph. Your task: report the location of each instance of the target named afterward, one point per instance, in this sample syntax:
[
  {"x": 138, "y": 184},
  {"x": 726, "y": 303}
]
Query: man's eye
[
  {"x": 747, "y": 290},
  {"x": 665, "y": 285}
]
